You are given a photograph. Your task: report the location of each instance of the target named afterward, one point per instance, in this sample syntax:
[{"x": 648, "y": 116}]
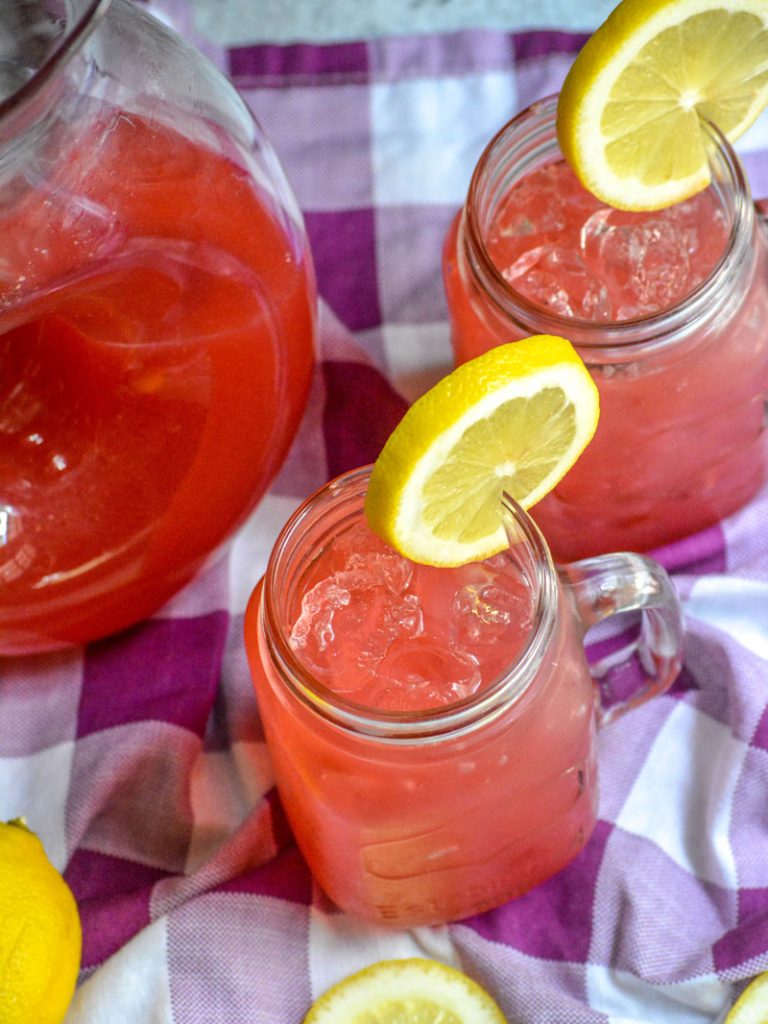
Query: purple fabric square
[
  {"x": 113, "y": 897},
  {"x": 749, "y": 821},
  {"x": 746, "y": 945},
  {"x": 361, "y": 411},
  {"x": 685, "y": 684},
  {"x": 701, "y": 553},
  {"x": 623, "y": 748},
  {"x": 276, "y": 66},
  {"x": 540, "y": 45},
  {"x": 617, "y": 681},
  {"x": 285, "y": 877},
  {"x": 344, "y": 250},
  {"x": 410, "y": 252},
  {"x": 165, "y": 669},
  {"x": 760, "y": 737},
  {"x": 730, "y": 680},
  {"x": 554, "y": 920},
  {"x": 526, "y": 988},
  {"x": 309, "y": 128},
  {"x": 634, "y": 932}
]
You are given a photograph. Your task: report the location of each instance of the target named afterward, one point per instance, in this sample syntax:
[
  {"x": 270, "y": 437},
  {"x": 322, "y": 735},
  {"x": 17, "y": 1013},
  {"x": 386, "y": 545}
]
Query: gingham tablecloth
[{"x": 141, "y": 762}]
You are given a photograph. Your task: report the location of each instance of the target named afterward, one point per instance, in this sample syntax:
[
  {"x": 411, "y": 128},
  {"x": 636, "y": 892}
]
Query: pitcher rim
[{"x": 71, "y": 40}]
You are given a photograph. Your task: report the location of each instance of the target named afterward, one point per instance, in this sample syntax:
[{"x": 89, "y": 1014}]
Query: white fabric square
[
  {"x": 418, "y": 355},
  {"x": 755, "y": 138},
  {"x": 52, "y": 681},
  {"x": 131, "y": 987},
  {"x": 628, "y": 999},
  {"x": 36, "y": 787},
  {"x": 252, "y": 547},
  {"x": 418, "y": 155},
  {"x": 738, "y": 607},
  {"x": 340, "y": 944},
  {"x": 683, "y": 796}
]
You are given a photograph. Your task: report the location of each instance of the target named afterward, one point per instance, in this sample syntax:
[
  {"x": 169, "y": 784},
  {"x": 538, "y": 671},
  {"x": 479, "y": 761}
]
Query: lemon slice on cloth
[
  {"x": 515, "y": 419},
  {"x": 406, "y": 992},
  {"x": 630, "y": 113},
  {"x": 40, "y": 932},
  {"x": 752, "y": 1005}
]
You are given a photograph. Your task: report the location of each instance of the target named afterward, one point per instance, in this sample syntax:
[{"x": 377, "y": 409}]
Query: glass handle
[{"x": 625, "y": 582}]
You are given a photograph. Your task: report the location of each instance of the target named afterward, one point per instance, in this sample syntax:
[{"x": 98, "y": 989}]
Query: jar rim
[
  {"x": 598, "y": 335},
  {"x": 71, "y": 39},
  {"x": 397, "y": 726}
]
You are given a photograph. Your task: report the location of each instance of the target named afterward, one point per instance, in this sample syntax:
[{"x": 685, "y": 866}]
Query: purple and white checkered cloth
[{"x": 141, "y": 760}]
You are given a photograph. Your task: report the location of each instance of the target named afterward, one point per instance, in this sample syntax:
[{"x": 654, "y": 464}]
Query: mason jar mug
[
  {"x": 415, "y": 810},
  {"x": 667, "y": 310}
]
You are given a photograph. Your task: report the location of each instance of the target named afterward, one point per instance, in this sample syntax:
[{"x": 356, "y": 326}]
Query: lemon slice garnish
[
  {"x": 513, "y": 420},
  {"x": 412, "y": 991},
  {"x": 631, "y": 111},
  {"x": 752, "y": 1005}
]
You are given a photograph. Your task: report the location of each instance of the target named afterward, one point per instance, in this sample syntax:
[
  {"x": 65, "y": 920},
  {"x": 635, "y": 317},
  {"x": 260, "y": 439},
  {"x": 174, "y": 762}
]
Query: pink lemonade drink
[
  {"x": 432, "y": 730},
  {"x": 667, "y": 309},
  {"x": 157, "y": 316}
]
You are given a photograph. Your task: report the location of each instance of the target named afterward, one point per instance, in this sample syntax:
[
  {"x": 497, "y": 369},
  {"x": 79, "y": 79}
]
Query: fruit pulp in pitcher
[
  {"x": 687, "y": 423},
  {"x": 422, "y": 832},
  {"x": 156, "y": 346}
]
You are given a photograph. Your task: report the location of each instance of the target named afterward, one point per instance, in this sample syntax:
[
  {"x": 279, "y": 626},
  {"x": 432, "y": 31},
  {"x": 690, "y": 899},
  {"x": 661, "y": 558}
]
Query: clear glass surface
[{"x": 157, "y": 318}]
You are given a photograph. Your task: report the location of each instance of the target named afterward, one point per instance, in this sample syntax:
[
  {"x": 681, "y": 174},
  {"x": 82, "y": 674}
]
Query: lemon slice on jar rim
[
  {"x": 514, "y": 420},
  {"x": 414, "y": 991},
  {"x": 631, "y": 112}
]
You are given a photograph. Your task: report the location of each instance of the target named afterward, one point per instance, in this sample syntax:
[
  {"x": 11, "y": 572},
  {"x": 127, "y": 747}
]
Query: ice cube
[
  {"x": 424, "y": 672},
  {"x": 646, "y": 264},
  {"x": 348, "y": 622},
  {"x": 483, "y": 613}
]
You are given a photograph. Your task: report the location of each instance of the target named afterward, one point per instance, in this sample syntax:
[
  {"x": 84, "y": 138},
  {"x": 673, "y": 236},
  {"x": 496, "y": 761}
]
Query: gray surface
[{"x": 233, "y": 22}]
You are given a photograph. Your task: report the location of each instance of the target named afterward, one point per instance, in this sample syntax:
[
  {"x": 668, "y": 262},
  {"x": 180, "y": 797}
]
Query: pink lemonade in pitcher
[
  {"x": 426, "y": 827},
  {"x": 667, "y": 309},
  {"x": 148, "y": 396}
]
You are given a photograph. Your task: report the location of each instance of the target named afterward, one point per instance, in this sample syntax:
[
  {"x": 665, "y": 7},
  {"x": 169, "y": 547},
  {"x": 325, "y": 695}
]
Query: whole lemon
[{"x": 40, "y": 932}]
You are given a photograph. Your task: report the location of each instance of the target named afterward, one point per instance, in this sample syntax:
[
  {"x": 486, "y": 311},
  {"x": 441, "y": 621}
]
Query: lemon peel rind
[
  {"x": 580, "y": 105},
  {"x": 49, "y": 909},
  {"x": 752, "y": 1001},
  {"x": 414, "y": 978}
]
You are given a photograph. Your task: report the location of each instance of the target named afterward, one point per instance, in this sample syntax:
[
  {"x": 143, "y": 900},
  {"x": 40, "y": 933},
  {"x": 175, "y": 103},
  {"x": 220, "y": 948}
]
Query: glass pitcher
[{"x": 157, "y": 317}]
